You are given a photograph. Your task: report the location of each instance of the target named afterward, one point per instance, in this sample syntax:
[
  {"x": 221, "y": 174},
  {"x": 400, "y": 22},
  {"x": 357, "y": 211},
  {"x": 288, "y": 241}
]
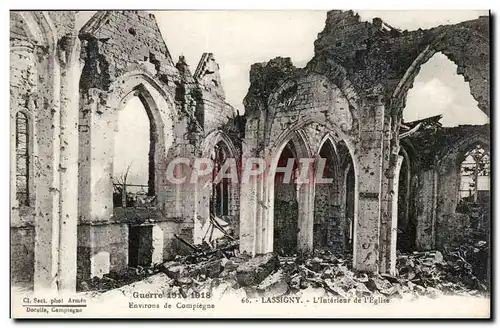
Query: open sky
[{"x": 241, "y": 38}]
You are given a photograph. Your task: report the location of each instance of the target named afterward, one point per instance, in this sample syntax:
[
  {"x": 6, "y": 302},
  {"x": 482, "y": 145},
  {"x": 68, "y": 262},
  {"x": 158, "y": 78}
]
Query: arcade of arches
[{"x": 379, "y": 188}]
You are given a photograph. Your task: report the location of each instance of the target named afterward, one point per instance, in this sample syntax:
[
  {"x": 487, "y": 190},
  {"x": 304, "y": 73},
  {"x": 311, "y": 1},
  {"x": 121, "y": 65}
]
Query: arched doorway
[
  {"x": 406, "y": 226},
  {"x": 134, "y": 174},
  {"x": 221, "y": 193},
  {"x": 286, "y": 204},
  {"x": 134, "y": 156},
  {"x": 219, "y": 189},
  {"x": 328, "y": 221},
  {"x": 349, "y": 196},
  {"x": 134, "y": 220}
]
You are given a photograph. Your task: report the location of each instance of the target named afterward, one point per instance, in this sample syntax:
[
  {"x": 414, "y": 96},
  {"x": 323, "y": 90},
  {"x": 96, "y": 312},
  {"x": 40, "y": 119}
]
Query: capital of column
[{"x": 68, "y": 47}]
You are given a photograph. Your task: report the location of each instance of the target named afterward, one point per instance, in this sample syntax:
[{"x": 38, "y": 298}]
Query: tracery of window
[
  {"x": 22, "y": 159},
  {"x": 475, "y": 172}
]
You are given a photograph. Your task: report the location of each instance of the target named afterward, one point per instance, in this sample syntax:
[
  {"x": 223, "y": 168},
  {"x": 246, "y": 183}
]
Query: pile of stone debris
[{"x": 224, "y": 270}]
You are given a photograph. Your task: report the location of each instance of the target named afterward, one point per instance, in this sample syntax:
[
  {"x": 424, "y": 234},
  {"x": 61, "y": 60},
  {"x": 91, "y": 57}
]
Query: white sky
[{"x": 241, "y": 38}]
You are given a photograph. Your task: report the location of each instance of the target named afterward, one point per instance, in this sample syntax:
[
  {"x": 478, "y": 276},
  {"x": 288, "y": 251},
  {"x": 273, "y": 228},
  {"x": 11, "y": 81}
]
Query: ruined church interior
[{"x": 99, "y": 111}]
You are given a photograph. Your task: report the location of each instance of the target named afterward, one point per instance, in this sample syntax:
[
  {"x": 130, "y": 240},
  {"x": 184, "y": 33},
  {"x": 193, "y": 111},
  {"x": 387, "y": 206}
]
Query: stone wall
[
  {"x": 437, "y": 163},
  {"x": 366, "y": 52},
  {"x": 22, "y": 255},
  {"x": 81, "y": 79},
  {"x": 285, "y": 218},
  {"x": 354, "y": 88},
  {"x": 39, "y": 50},
  {"x": 180, "y": 105},
  {"x": 217, "y": 112}
]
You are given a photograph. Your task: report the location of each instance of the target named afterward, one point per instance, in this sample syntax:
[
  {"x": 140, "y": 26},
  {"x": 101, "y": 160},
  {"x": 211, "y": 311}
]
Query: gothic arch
[
  {"x": 99, "y": 116},
  {"x": 158, "y": 104},
  {"x": 329, "y": 215},
  {"x": 222, "y": 199},
  {"x": 299, "y": 139},
  {"x": 335, "y": 132},
  {"x": 458, "y": 50},
  {"x": 448, "y": 188},
  {"x": 462, "y": 146},
  {"x": 305, "y": 197},
  {"x": 40, "y": 28},
  {"x": 328, "y": 137},
  {"x": 213, "y": 139}
]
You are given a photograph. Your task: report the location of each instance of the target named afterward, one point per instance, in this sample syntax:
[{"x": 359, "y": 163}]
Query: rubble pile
[
  {"x": 469, "y": 262},
  {"x": 224, "y": 270},
  {"x": 418, "y": 274},
  {"x": 115, "y": 280}
]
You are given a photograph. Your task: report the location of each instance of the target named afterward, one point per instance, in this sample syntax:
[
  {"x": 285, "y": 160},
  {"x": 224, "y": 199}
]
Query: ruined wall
[
  {"x": 285, "y": 218},
  {"x": 40, "y": 46},
  {"x": 125, "y": 56},
  {"x": 367, "y": 52},
  {"x": 216, "y": 111},
  {"x": 122, "y": 55},
  {"x": 355, "y": 86},
  {"x": 440, "y": 154}
]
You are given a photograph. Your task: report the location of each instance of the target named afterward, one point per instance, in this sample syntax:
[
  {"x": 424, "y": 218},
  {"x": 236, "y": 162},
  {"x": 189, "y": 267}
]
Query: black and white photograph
[{"x": 250, "y": 164}]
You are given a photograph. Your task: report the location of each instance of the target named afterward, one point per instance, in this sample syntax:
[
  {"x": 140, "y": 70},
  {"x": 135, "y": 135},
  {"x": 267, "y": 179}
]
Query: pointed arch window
[
  {"x": 475, "y": 172},
  {"x": 22, "y": 159},
  {"x": 219, "y": 202}
]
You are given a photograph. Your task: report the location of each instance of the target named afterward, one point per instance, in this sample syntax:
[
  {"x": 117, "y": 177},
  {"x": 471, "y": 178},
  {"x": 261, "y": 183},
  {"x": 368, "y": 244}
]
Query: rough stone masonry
[{"x": 67, "y": 87}]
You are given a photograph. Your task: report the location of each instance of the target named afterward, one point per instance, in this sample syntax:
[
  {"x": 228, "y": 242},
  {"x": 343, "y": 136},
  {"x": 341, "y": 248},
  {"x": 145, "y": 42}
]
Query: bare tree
[{"x": 121, "y": 185}]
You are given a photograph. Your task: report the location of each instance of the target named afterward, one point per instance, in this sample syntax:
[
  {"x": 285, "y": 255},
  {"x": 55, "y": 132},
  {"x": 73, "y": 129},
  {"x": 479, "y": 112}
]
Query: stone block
[
  {"x": 210, "y": 269},
  {"x": 256, "y": 269}
]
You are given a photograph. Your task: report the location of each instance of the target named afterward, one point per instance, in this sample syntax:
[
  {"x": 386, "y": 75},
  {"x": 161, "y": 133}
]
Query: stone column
[
  {"x": 390, "y": 255},
  {"x": 47, "y": 122},
  {"x": 368, "y": 173},
  {"x": 98, "y": 238},
  {"x": 425, "y": 199},
  {"x": 305, "y": 240},
  {"x": 97, "y": 126},
  {"x": 264, "y": 216},
  {"x": 68, "y": 53},
  {"x": 249, "y": 193},
  {"x": 306, "y": 192},
  {"x": 388, "y": 219},
  {"x": 248, "y": 215}
]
